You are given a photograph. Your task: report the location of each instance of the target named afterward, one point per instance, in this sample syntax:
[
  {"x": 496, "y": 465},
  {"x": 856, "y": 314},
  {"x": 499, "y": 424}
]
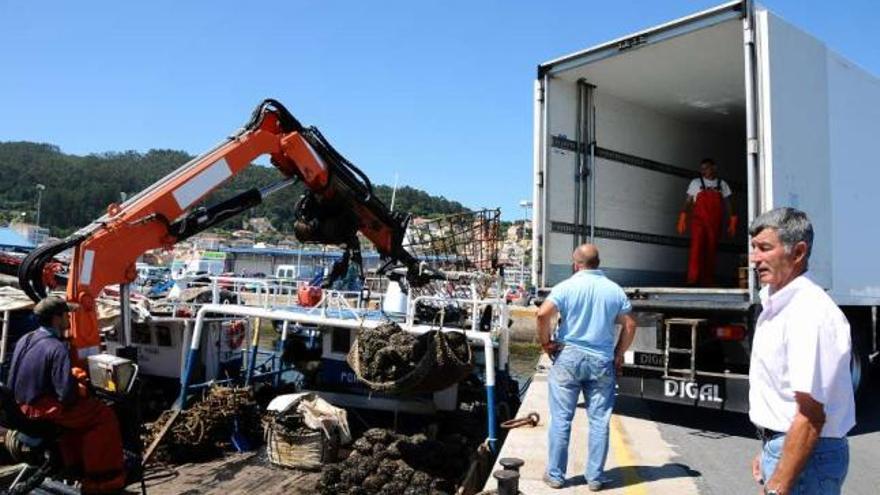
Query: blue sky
[{"x": 439, "y": 92}]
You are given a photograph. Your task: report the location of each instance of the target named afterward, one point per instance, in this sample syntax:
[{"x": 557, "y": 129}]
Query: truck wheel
[{"x": 858, "y": 365}]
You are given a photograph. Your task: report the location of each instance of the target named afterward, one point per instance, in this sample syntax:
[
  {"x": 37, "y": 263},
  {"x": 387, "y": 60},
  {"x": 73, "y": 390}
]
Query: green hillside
[{"x": 79, "y": 188}]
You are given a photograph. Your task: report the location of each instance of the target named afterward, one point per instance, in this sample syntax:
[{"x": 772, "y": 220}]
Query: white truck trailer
[{"x": 620, "y": 130}]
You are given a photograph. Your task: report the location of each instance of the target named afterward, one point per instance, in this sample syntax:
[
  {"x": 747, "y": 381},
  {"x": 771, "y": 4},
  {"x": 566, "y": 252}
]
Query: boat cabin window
[
  {"x": 140, "y": 333},
  {"x": 341, "y": 340},
  {"x": 163, "y": 336}
]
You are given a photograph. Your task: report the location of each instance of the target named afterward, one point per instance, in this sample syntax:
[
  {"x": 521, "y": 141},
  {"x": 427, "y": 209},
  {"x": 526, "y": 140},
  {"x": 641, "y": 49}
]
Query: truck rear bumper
[{"x": 724, "y": 391}]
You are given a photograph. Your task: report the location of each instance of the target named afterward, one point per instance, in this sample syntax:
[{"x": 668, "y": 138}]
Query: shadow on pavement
[
  {"x": 705, "y": 422},
  {"x": 623, "y": 476}
]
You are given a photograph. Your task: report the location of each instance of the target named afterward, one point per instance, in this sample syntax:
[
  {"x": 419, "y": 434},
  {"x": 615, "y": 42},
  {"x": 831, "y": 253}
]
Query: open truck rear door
[{"x": 795, "y": 141}]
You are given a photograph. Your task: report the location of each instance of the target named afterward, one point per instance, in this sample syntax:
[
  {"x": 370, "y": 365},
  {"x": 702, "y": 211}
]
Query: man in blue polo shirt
[{"x": 585, "y": 359}]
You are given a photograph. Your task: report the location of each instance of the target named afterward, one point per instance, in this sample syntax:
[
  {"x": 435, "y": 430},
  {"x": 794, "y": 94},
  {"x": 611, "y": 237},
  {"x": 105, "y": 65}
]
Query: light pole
[
  {"x": 525, "y": 204},
  {"x": 394, "y": 192},
  {"x": 40, "y": 189}
]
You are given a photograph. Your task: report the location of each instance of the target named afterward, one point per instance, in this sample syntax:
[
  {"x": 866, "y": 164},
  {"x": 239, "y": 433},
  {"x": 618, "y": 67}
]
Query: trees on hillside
[{"x": 79, "y": 188}]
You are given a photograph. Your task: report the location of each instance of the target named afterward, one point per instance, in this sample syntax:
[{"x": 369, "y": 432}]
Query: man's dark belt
[{"x": 766, "y": 434}]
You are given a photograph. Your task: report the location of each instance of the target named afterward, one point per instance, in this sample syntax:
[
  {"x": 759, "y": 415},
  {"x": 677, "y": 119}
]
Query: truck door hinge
[
  {"x": 752, "y": 146},
  {"x": 749, "y": 36},
  {"x": 540, "y": 179}
]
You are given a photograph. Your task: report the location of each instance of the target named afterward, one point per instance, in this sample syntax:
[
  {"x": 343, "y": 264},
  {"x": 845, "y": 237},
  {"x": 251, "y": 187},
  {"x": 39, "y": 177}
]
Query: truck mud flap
[{"x": 712, "y": 392}]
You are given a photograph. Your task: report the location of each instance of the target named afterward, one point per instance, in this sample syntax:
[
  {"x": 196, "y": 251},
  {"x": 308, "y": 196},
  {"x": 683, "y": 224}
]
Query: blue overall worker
[{"x": 47, "y": 388}]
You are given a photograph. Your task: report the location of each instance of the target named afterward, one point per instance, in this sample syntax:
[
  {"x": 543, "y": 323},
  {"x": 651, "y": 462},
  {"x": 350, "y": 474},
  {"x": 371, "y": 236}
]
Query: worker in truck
[
  {"x": 800, "y": 388},
  {"x": 585, "y": 360},
  {"x": 707, "y": 195},
  {"x": 47, "y": 388}
]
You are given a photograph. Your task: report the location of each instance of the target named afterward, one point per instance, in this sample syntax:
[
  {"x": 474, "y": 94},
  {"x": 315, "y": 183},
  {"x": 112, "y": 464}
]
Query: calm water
[{"x": 523, "y": 359}]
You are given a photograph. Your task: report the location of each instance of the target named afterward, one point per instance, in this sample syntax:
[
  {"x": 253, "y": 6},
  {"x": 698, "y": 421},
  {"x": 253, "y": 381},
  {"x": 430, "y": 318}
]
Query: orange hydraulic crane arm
[{"x": 163, "y": 214}]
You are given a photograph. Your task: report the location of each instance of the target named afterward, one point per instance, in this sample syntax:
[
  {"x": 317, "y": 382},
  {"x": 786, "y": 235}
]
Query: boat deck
[{"x": 249, "y": 472}]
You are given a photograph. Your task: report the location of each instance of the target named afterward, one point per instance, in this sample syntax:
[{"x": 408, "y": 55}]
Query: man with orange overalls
[
  {"x": 707, "y": 196},
  {"x": 48, "y": 388}
]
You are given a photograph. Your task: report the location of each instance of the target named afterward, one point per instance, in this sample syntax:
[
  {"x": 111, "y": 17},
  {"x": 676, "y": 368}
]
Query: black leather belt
[{"x": 766, "y": 434}]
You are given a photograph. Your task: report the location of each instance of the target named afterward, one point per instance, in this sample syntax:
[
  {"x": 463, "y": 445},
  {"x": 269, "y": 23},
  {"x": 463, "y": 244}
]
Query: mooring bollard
[
  {"x": 508, "y": 481},
  {"x": 511, "y": 463}
]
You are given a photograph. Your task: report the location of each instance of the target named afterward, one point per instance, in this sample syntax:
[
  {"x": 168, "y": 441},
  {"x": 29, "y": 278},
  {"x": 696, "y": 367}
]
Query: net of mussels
[{"x": 389, "y": 463}]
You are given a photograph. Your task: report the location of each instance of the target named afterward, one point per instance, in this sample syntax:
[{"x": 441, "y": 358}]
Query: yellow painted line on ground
[{"x": 633, "y": 483}]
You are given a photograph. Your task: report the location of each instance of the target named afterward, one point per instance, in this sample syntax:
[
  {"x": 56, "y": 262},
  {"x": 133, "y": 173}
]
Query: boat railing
[
  {"x": 487, "y": 340},
  {"x": 264, "y": 292},
  {"x": 497, "y": 325}
]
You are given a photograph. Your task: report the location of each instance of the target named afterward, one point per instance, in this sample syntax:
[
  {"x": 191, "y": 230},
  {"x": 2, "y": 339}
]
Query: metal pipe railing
[
  {"x": 4, "y": 341},
  {"x": 307, "y": 319},
  {"x": 125, "y": 307}
]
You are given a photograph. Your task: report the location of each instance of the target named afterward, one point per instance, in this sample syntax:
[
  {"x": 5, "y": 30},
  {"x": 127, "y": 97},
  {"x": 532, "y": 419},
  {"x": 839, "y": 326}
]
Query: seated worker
[{"x": 47, "y": 388}]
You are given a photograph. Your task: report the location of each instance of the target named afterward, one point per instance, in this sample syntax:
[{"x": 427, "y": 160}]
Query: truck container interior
[{"x": 658, "y": 110}]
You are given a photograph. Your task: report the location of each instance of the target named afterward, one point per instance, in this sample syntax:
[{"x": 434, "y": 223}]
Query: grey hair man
[{"x": 800, "y": 389}]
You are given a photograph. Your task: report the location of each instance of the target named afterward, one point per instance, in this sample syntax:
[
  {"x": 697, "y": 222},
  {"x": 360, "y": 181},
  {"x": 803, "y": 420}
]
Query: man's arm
[
  {"x": 546, "y": 317},
  {"x": 688, "y": 203},
  {"x": 799, "y": 442},
  {"x": 627, "y": 334},
  {"x": 732, "y": 218},
  {"x": 62, "y": 380},
  {"x": 681, "y": 224}
]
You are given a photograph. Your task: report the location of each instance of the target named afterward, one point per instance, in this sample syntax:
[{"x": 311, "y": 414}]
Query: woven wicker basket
[{"x": 307, "y": 451}]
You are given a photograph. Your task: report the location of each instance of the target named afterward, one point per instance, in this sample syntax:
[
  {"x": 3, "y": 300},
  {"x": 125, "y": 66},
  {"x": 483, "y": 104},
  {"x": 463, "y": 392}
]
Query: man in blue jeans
[
  {"x": 800, "y": 388},
  {"x": 585, "y": 359}
]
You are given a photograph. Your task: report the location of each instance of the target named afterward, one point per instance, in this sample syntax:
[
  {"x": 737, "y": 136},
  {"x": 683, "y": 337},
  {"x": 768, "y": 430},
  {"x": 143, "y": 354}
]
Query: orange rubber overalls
[
  {"x": 706, "y": 220},
  {"x": 91, "y": 440}
]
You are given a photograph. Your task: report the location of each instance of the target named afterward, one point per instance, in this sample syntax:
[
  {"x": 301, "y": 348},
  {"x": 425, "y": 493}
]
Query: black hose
[
  {"x": 327, "y": 150},
  {"x": 30, "y": 273},
  {"x": 288, "y": 122}
]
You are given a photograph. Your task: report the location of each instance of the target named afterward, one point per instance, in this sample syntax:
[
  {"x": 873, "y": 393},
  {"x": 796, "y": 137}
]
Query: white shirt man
[
  {"x": 802, "y": 344},
  {"x": 800, "y": 394}
]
